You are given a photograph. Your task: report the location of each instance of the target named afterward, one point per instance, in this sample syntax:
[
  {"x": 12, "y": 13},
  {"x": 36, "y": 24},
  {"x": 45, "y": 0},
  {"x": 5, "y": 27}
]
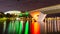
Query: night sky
[{"x": 25, "y": 5}]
